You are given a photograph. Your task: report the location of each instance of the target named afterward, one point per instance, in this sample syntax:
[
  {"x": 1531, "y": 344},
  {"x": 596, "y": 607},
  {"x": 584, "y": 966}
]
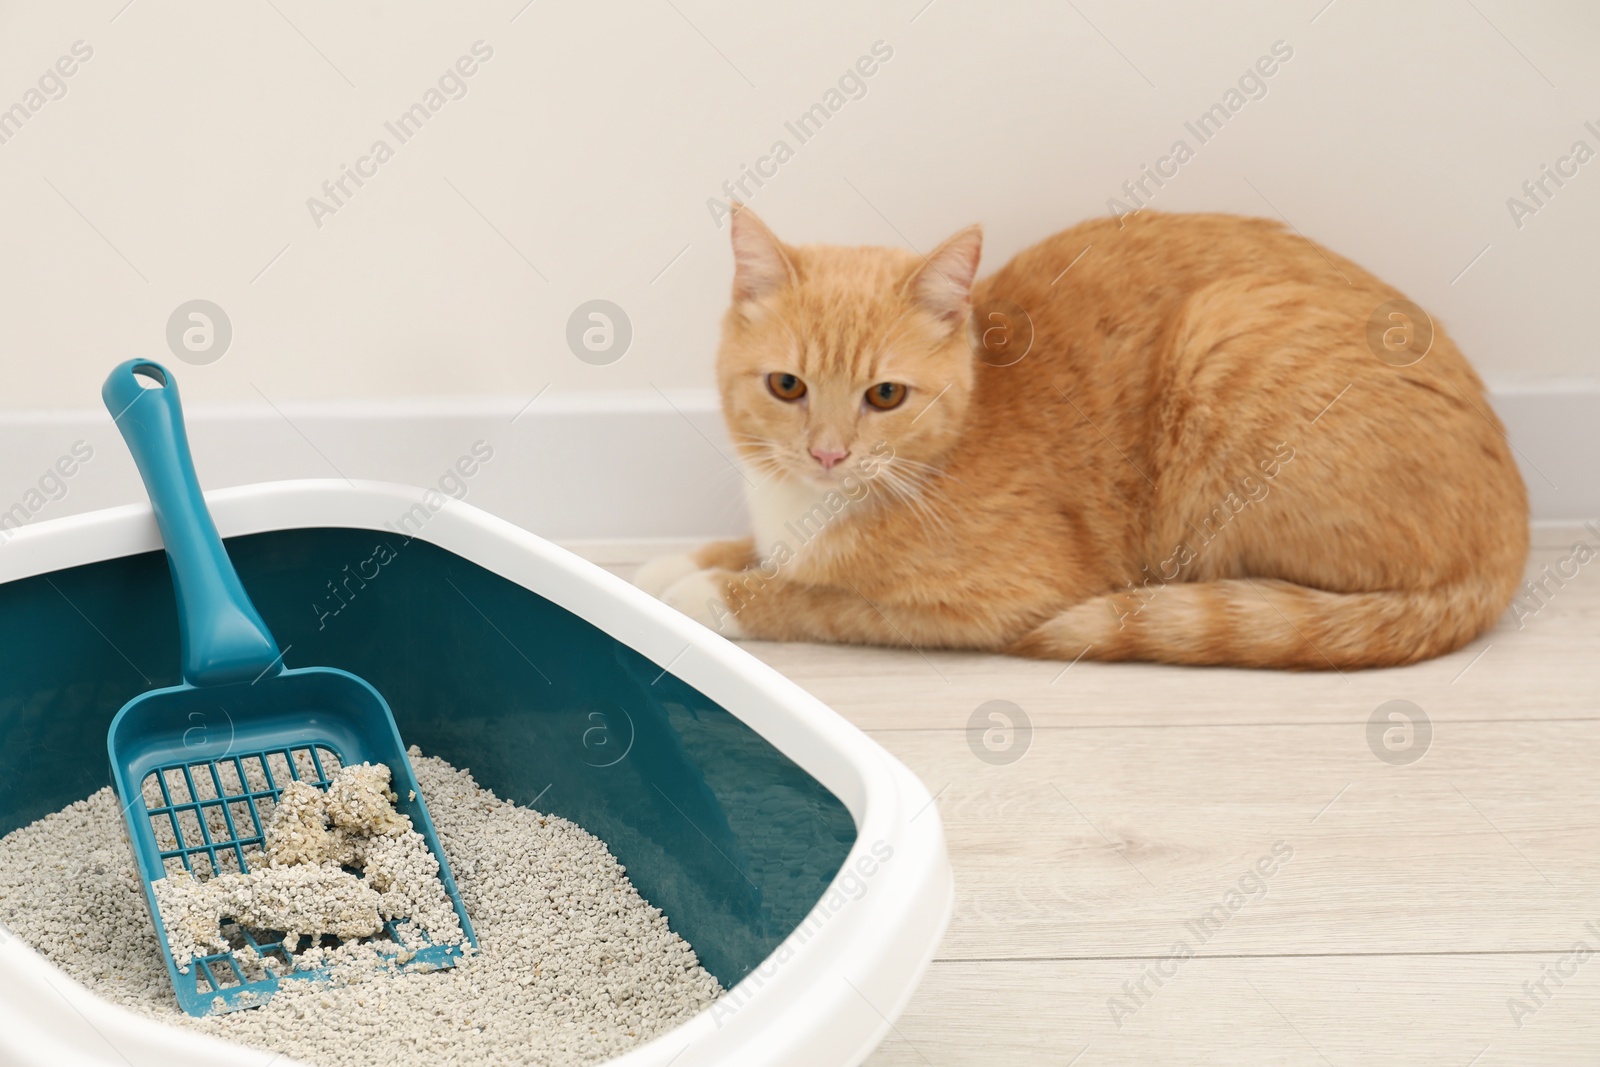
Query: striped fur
[{"x": 1199, "y": 460}]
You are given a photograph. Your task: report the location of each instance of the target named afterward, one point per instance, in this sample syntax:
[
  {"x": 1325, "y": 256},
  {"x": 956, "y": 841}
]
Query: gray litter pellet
[{"x": 574, "y": 966}]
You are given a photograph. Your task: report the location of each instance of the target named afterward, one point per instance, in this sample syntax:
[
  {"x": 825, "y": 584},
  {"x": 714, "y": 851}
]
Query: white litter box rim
[{"x": 829, "y": 993}]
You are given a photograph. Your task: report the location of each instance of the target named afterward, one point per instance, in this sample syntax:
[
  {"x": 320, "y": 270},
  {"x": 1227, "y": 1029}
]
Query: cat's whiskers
[
  {"x": 927, "y": 470},
  {"x": 760, "y": 455},
  {"x": 929, "y": 522},
  {"x": 909, "y": 486},
  {"x": 927, "y": 494}
]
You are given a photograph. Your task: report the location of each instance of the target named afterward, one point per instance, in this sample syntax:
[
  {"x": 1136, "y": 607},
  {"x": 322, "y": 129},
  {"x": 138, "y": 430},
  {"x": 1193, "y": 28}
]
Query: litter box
[{"x": 805, "y": 864}]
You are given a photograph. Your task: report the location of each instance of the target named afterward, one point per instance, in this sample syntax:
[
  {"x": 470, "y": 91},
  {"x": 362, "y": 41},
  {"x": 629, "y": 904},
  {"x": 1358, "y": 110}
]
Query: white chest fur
[
  {"x": 775, "y": 504},
  {"x": 791, "y": 519}
]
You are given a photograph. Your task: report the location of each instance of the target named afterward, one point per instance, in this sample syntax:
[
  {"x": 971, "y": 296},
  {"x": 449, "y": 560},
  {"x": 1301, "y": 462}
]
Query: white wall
[{"x": 578, "y": 166}]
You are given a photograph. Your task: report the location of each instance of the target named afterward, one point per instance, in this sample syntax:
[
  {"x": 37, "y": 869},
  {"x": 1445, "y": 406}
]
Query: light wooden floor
[{"x": 1417, "y": 902}]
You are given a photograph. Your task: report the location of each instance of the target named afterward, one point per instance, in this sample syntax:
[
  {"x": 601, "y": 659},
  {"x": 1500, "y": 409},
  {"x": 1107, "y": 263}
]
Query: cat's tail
[{"x": 1260, "y": 622}]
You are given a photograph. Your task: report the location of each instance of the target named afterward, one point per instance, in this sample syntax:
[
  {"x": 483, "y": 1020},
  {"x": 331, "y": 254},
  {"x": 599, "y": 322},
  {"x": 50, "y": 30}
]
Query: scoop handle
[{"x": 224, "y": 638}]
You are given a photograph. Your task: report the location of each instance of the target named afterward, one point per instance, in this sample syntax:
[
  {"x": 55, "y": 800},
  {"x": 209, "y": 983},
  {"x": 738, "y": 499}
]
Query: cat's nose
[{"x": 829, "y": 457}]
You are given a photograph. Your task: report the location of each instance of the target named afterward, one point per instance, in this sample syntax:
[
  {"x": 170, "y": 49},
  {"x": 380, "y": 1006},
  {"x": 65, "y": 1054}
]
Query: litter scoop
[{"x": 198, "y": 766}]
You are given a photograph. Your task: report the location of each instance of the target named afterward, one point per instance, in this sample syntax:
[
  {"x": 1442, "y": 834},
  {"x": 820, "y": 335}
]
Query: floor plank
[
  {"x": 1113, "y": 842},
  {"x": 1343, "y": 1011}
]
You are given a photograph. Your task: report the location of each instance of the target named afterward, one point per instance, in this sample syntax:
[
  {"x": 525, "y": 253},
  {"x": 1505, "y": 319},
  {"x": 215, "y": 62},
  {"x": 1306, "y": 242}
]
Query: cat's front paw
[
  {"x": 703, "y": 597},
  {"x": 658, "y": 575}
]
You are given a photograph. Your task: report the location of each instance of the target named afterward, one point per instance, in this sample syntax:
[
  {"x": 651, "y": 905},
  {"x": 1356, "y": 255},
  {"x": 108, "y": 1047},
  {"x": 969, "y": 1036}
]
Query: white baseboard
[
  {"x": 605, "y": 467},
  {"x": 1553, "y": 433}
]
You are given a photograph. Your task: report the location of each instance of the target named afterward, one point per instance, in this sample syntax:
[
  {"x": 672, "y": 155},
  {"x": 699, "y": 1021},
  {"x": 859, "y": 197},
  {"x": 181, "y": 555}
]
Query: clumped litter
[
  {"x": 573, "y": 965},
  {"x": 306, "y": 881}
]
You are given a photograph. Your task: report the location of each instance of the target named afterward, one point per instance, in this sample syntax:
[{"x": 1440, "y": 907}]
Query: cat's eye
[
  {"x": 886, "y": 396},
  {"x": 786, "y": 386}
]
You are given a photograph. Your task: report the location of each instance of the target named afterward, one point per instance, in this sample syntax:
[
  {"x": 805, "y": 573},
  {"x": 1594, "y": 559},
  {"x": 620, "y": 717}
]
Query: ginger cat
[{"x": 1187, "y": 438}]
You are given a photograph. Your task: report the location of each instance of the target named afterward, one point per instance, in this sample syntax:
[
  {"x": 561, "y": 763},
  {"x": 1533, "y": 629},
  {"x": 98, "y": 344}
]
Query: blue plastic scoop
[{"x": 198, "y": 766}]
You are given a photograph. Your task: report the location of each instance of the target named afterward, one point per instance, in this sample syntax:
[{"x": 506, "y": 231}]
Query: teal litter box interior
[{"x": 717, "y": 828}]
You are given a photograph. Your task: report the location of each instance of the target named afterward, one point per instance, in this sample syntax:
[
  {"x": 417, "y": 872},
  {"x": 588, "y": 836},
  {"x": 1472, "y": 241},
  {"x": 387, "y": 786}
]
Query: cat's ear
[
  {"x": 943, "y": 285},
  {"x": 760, "y": 264}
]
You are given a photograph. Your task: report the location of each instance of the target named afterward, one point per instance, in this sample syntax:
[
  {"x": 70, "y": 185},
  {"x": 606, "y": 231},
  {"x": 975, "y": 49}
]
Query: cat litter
[{"x": 573, "y": 966}]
